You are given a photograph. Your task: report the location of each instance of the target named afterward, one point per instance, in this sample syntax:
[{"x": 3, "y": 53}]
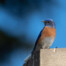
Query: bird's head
[{"x": 49, "y": 23}]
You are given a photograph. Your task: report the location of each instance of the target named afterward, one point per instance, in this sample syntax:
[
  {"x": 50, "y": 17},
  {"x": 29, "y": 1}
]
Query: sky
[{"x": 15, "y": 25}]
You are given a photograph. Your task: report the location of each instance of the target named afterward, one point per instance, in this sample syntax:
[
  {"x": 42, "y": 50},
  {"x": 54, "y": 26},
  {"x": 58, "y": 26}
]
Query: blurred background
[{"x": 20, "y": 24}]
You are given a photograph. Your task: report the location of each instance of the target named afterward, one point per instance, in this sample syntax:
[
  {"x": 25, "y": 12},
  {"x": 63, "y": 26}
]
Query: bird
[{"x": 46, "y": 36}]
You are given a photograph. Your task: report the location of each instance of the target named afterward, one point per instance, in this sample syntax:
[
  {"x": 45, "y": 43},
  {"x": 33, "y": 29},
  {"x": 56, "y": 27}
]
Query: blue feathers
[
  {"x": 37, "y": 41},
  {"x": 49, "y": 20}
]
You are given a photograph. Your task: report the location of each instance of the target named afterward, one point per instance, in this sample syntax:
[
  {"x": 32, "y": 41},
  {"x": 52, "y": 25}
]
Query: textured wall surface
[{"x": 48, "y": 57}]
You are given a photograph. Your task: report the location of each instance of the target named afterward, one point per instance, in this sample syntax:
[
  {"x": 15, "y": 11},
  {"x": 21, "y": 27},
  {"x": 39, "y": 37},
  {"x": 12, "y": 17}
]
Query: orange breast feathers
[{"x": 47, "y": 32}]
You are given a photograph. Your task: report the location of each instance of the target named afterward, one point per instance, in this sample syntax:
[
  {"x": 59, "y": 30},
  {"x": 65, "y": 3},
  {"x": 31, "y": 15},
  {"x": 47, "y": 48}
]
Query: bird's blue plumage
[
  {"x": 37, "y": 40},
  {"x": 49, "y": 20}
]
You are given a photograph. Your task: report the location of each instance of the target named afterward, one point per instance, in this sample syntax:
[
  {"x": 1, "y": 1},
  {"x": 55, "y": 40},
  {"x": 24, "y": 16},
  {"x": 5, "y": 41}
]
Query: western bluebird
[{"x": 46, "y": 36}]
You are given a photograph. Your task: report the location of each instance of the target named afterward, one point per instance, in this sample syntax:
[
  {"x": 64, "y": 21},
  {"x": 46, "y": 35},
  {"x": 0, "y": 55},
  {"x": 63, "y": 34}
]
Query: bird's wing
[{"x": 37, "y": 40}]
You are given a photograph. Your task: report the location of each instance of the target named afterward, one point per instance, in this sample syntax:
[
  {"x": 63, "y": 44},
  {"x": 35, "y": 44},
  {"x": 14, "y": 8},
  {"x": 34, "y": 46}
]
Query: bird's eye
[{"x": 47, "y": 22}]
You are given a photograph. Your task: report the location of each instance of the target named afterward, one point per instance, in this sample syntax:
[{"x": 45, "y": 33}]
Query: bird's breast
[
  {"x": 46, "y": 42},
  {"x": 48, "y": 34}
]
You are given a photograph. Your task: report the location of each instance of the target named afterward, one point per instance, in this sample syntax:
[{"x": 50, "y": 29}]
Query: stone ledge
[{"x": 48, "y": 57}]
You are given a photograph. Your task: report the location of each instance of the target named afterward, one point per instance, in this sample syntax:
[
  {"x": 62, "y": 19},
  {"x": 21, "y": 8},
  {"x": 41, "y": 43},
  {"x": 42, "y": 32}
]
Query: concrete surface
[{"x": 48, "y": 57}]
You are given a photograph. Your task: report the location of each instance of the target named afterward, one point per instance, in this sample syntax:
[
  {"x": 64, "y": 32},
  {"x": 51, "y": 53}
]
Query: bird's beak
[{"x": 43, "y": 21}]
